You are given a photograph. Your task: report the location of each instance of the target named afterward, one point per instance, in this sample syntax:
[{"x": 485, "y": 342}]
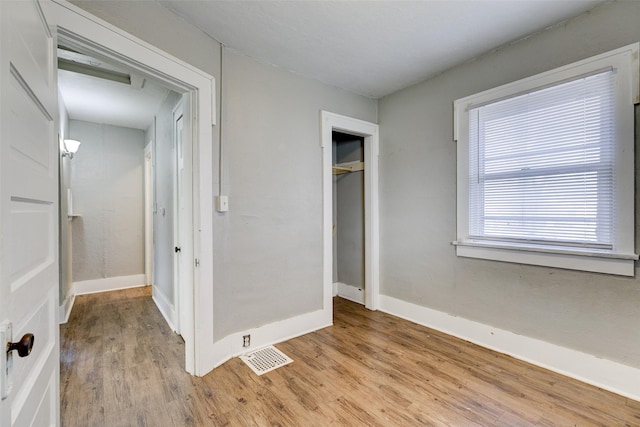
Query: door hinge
[{"x": 197, "y": 261}]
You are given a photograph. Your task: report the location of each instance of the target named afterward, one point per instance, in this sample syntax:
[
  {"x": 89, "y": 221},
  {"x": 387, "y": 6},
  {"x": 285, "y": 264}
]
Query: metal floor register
[{"x": 265, "y": 360}]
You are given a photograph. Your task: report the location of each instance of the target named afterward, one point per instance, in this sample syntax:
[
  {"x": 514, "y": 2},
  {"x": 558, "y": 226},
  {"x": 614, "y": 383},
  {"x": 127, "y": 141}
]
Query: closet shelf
[{"x": 348, "y": 167}]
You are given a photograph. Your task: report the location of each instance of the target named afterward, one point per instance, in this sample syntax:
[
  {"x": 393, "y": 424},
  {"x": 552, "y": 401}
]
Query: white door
[
  {"x": 28, "y": 216},
  {"x": 183, "y": 221},
  {"x": 183, "y": 225},
  {"x": 178, "y": 129}
]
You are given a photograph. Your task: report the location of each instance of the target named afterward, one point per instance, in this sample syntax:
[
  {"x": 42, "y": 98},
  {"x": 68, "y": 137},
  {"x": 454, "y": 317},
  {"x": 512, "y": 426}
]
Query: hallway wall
[
  {"x": 66, "y": 277},
  {"x": 108, "y": 193}
]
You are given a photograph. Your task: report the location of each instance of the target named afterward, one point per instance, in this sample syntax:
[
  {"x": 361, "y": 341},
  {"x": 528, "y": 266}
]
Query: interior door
[
  {"x": 178, "y": 131},
  {"x": 184, "y": 223},
  {"x": 28, "y": 217}
]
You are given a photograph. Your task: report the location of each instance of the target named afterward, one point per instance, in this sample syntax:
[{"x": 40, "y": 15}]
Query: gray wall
[
  {"x": 163, "y": 218},
  {"x": 593, "y": 313},
  {"x": 66, "y": 279},
  {"x": 349, "y": 213},
  {"x": 107, "y": 185},
  {"x": 270, "y": 243},
  {"x": 267, "y": 258}
]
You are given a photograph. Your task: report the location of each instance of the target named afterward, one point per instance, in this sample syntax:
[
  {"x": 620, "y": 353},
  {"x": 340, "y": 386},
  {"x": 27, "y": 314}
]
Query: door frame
[
  {"x": 149, "y": 200},
  {"x": 90, "y": 33},
  {"x": 183, "y": 190},
  {"x": 177, "y": 257},
  {"x": 335, "y": 122}
]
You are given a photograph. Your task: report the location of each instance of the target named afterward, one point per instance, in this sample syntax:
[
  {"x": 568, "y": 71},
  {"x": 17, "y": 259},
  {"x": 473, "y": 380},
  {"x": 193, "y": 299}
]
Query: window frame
[{"x": 619, "y": 260}]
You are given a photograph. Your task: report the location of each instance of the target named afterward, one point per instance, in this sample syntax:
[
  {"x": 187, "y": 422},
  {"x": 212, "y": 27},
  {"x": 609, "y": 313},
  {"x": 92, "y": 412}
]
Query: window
[{"x": 546, "y": 167}]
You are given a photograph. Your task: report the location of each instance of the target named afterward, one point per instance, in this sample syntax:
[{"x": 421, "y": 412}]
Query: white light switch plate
[{"x": 222, "y": 203}]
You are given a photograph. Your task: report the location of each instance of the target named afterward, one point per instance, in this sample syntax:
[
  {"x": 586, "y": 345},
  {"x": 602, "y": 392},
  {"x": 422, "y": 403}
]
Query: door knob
[
  {"x": 23, "y": 346},
  {"x": 177, "y": 249}
]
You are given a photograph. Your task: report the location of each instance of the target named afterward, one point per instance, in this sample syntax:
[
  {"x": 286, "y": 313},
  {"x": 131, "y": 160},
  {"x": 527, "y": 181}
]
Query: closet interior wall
[{"x": 348, "y": 210}]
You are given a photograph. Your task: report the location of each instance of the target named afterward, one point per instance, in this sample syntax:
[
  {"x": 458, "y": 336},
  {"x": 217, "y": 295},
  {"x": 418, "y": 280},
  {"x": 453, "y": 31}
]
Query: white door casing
[
  {"x": 335, "y": 122},
  {"x": 86, "y": 31},
  {"x": 29, "y": 158},
  {"x": 148, "y": 213}
]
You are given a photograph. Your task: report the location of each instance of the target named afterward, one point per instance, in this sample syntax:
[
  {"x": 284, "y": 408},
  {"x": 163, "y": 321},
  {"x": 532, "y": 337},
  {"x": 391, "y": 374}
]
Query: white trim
[
  {"x": 178, "y": 111},
  {"x": 149, "y": 200},
  {"x": 65, "y": 308},
  {"x": 597, "y": 62},
  {"x": 603, "y": 373},
  {"x": 626, "y": 62},
  {"x": 167, "y": 309},
  {"x": 329, "y": 123},
  {"x": 273, "y": 333},
  {"x": 352, "y": 293},
  {"x": 108, "y": 284},
  {"x": 570, "y": 261},
  {"x": 93, "y": 33},
  {"x": 123, "y": 45}
]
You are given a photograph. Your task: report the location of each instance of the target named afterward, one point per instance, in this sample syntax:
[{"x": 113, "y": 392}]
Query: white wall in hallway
[{"x": 107, "y": 188}]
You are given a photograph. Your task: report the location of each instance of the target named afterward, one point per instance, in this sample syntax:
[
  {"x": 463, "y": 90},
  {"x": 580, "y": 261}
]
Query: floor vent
[{"x": 265, "y": 360}]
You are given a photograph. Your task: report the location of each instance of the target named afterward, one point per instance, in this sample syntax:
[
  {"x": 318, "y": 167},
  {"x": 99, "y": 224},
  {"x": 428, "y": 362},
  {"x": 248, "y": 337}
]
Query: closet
[{"x": 348, "y": 216}]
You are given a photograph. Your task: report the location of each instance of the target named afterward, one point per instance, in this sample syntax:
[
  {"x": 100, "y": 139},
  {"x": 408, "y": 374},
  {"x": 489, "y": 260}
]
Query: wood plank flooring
[{"x": 122, "y": 366}]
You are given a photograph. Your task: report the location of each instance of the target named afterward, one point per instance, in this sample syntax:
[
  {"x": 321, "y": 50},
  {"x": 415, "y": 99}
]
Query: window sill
[{"x": 597, "y": 262}]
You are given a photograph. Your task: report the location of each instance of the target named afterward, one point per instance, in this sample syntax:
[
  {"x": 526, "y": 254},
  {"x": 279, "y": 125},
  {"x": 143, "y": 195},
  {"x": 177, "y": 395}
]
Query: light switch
[{"x": 222, "y": 203}]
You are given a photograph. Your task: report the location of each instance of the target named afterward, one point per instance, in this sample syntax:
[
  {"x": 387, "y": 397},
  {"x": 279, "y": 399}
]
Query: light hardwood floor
[{"x": 122, "y": 366}]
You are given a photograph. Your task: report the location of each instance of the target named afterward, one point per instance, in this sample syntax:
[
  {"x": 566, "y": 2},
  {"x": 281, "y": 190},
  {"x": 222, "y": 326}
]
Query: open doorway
[
  {"x": 348, "y": 216},
  {"x": 361, "y": 155},
  {"x": 117, "y": 172},
  {"x": 114, "y": 111}
]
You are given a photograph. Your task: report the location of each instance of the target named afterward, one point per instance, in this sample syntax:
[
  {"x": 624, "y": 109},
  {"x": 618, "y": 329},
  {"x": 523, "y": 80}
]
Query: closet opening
[
  {"x": 351, "y": 245},
  {"x": 348, "y": 216}
]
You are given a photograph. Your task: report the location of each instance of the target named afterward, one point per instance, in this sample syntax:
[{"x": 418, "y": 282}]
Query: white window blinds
[
  {"x": 545, "y": 167},
  {"x": 541, "y": 166}
]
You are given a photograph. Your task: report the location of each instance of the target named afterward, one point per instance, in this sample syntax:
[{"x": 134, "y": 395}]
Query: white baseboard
[
  {"x": 273, "y": 333},
  {"x": 351, "y": 293},
  {"x": 335, "y": 289},
  {"x": 65, "y": 308},
  {"x": 167, "y": 309},
  {"x": 108, "y": 284},
  {"x": 606, "y": 374}
]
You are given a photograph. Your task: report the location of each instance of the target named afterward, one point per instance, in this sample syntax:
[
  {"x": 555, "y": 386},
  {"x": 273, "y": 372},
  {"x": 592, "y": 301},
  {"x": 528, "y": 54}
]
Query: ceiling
[
  {"x": 373, "y": 48},
  {"x": 90, "y": 92}
]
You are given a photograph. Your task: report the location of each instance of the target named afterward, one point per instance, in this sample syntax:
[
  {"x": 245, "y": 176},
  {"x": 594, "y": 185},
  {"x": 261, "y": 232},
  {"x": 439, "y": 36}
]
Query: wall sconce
[{"x": 69, "y": 147}]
